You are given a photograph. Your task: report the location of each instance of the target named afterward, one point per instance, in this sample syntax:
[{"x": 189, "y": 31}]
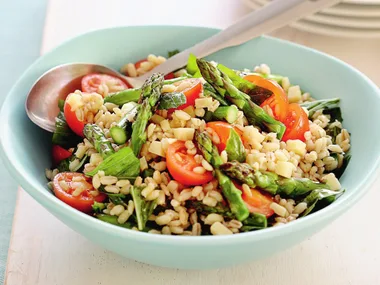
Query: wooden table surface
[{"x": 44, "y": 251}]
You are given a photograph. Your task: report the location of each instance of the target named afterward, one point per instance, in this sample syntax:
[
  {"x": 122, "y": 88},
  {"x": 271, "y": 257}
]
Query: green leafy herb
[
  {"x": 316, "y": 195},
  {"x": 61, "y": 104},
  {"x": 172, "y": 52},
  {"x": 143, "y": 208},
  {"x": 117, "y": 199},
  {"x": 63, "y": 166},
  {"x": 113, "y": 220},
  {"x": 171, "y": 100},
  {"x": 335, "y": 114},
  {"x": 147, "y": 173},
  {"x": 63, "y": 135},
  {"x": 122, "y": 164}
]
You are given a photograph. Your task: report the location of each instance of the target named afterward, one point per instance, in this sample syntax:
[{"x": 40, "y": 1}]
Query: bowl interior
[{"x": 26, "y": 148}]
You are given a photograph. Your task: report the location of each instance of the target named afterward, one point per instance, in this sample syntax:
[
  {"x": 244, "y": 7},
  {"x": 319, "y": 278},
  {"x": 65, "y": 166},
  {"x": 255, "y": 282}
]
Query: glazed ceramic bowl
[{"x": 25, "y": 148}]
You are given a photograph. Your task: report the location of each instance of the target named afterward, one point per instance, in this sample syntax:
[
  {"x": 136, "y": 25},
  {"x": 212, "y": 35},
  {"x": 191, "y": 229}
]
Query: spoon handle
[{"x": 276, "y": 14}]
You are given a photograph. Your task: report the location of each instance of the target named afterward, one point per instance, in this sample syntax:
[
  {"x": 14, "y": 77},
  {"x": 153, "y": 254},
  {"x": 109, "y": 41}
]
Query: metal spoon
[{"x": 58, "y": 82}]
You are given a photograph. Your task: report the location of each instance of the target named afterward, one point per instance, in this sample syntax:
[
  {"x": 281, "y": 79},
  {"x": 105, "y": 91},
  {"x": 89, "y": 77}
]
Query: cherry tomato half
[
  {"x": 223, "y": 129},
  {"x": 278, "y": 102},
  {"x": 91, "y": 82},
  {"x": 59, "y": 154},
  {"x": 84, "y": 201},
  {"x": 181, "y": 164},
  {"x": 297, "y": 123},
  {"x": 72, "y": 120},
  {"x": 256, "y": 201}
]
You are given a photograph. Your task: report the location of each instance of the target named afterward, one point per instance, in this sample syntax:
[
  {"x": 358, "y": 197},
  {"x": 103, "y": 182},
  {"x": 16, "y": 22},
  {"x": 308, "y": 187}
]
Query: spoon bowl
[{"x": 55, "y": 84}]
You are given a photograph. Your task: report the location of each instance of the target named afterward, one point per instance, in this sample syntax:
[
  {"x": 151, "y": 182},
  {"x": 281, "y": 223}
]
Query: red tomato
[
  {"x": 90, "y": 83},
  {"x": 84, "y": 201},
  {"x": 138, "y": 63},
  {"x": 181, "y": 164},
  {"x": 297, "y": 123},
  {"x": 278, "y": 102},
  {"x": 74, "y": 123},
  {"x": 256, "y": 201},
  {"x": 222, "y": 129},
  {"x": 167, "y": 76},
  {"x": 59, "y": 154}
]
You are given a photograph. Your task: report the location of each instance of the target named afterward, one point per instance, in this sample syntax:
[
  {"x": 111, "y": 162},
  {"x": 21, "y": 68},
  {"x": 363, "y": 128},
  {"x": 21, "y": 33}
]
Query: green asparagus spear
[
  {"x": 226, "y": 113},
  {"x": 317, "y": 195},
  {"x": 324, "y": 105},
  {"x": 96, "y": 137},
  {"x": 133, "y": 94},
  {"x": 253, "y": 222},
  {"x": 233, "y": 195},
  {"x": 125, "y": 96},
  {"x": 98, "y": 207},
  {"x": 275, "y": 77},
  {"x": 254, "y": 113},
  {"x": 209, "y": 91},
  {"x": 244, "y": 85},
  {"x": 270, "y": 182},
  {"x": 205, "y": 210},
  {"x": 209, "y": 151},
  {"x": 143, "y": 208},
  {"x": 121, "y": 132},
  {"x": 258, "y": 94},
  {"x": 122, "y": 164},
  {"x": 234, "y": 147},
  {"x": 151, "y": 93},
  {"x": 176, "y": 79}
]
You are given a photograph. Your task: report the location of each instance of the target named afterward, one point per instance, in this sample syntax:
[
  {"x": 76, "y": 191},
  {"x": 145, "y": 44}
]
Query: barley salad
[{"x": 206, "y": 150}]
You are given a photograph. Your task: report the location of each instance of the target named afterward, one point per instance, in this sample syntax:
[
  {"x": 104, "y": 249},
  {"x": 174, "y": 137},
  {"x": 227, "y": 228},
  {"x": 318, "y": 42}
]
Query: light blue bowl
[{"x": 25, "y": 148}]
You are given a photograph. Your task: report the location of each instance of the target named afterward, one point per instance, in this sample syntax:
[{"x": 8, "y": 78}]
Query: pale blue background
[{"x": 21, "y": 25}]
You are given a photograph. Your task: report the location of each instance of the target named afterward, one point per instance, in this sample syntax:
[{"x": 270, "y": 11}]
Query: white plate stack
[{"x": 349, "y": 19}]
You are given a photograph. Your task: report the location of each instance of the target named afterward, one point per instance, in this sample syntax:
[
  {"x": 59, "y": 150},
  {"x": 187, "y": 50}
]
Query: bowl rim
[{"x": 49, "y": 201}]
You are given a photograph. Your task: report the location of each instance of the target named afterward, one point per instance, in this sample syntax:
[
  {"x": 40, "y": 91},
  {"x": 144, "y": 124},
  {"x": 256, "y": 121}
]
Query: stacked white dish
[{"x": 349, "y": 18}]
